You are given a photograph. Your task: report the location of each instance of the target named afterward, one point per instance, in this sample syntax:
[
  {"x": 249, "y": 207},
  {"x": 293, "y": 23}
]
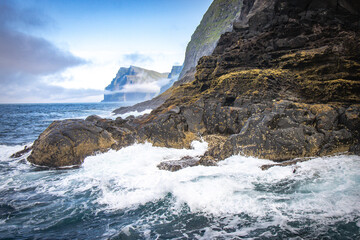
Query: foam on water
[
  {"x": 323, "y": 191},
  {"x": 134, "y": 113},
  {"x": 235, "y": 198}
]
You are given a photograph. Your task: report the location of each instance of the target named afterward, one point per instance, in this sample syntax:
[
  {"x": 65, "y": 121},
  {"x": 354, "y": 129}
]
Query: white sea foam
[
  {"x": 6, "y": 151},
  {"x": 323, "y": 190},
  {"x": 129, "y": 177},
  {"x": 134, "y": 113}
]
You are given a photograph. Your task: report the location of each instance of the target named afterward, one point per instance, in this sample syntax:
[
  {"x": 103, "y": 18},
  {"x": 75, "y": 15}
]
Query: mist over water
[{"x": 123, "y": 195}]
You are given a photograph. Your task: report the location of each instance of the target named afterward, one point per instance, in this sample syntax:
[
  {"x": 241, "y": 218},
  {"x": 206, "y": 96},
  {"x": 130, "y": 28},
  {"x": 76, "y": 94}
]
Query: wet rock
[
  {"x": 351, "y": 118},
  {"x": 284, "y": 164},
  {"x": 207, "y": 161},
  {"x": 93, "y": 118},
  {"x": 68, "y": 142},
  {"x": 176, "y": 165},
  {"x": 281, "y": 134},
  {"x": 22, "y": 152}
]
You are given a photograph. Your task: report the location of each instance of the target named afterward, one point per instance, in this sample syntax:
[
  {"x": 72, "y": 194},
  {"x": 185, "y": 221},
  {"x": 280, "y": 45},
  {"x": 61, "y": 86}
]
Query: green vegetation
[{"x": 217, "y": 20}]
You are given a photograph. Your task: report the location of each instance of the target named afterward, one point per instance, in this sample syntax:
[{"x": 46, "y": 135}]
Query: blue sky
[{"x": 69, "y": 50}]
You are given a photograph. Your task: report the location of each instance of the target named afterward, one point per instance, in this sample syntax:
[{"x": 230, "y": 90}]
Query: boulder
[
  {"x": 93, "y": 118},
  {"x": 68, "y": 142}
]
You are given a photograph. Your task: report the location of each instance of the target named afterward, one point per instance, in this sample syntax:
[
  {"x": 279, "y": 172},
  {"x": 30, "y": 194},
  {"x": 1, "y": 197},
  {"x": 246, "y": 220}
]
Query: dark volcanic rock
[
  {"x": 283, "y": 84},
  {"x": 176, "y": 165},
  {"x": 68, "y": 142},
  {"x": 22, "y": 152},
  {"x": 93, "y": 118}
]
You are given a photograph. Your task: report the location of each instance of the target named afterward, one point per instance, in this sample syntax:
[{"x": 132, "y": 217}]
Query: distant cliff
[
  {"x": 173, "y": 76},
  {"x": 217, "y": 20},
  {"x": 134, "y": 84}
]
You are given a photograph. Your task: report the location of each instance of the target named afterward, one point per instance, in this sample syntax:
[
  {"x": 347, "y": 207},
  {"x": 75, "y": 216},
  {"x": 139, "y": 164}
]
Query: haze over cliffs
[{"x": 136, "y": 84}]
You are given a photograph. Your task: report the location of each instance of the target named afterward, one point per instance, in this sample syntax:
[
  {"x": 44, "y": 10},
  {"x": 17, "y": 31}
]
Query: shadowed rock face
[{"x": 283, "y": 84}]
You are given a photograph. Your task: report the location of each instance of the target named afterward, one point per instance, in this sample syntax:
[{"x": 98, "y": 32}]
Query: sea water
[{"x": 123, "y": 195}]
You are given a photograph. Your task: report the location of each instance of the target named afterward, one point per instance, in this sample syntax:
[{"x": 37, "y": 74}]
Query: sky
[{"x": 70, "y": 50}]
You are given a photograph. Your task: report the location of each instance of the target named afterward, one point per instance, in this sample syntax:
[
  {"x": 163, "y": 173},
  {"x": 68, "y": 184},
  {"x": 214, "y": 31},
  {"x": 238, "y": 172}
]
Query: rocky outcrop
[
  {"x": 176, "y": 165},
  {"x": 68, "y": 142},
  {"x": 22, "y": 152},
  {"x": 280, "y": 86},
  {"x": 283, "y": 84}
]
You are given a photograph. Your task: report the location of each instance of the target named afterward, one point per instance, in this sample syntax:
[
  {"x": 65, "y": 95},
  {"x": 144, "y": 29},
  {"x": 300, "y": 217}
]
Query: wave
[{"x": 235, "y": 198}]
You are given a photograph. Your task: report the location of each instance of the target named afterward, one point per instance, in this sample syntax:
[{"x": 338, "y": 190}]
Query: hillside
[
  {"x": 133, "y": 84},
  {"x": 217, "y": 20}
]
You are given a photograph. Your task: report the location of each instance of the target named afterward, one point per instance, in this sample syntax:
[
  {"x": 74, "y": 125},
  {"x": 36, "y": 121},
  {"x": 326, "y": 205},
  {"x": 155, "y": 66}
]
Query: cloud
[
  {"x": 137, "y": 58},
  {"x": 150, "y": 87},
  {"x": 12, "y": 16},
  {"x": 27, "y": 54},
  {"x": 32, "y": 89},
  {"x": 25, "y": 59}
]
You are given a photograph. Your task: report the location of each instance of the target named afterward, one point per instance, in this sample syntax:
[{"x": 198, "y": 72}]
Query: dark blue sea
[{"x": 123, "y": 195}]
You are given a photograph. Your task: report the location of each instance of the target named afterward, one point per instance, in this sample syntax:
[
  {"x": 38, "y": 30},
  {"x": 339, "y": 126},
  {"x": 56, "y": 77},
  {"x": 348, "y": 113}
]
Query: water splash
[{"x": 123, "y": 193}]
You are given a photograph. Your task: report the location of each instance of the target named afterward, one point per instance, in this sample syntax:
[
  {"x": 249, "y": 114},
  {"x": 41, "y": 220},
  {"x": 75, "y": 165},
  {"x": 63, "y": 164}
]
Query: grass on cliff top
[{"x": 215, "y": 22}]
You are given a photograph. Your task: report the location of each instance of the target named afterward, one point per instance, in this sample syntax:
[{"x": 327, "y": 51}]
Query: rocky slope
[
  {"x": 283, "y": 84},
  {"x": 119, "y": 90},
  {"x": 218, "y": 19}
]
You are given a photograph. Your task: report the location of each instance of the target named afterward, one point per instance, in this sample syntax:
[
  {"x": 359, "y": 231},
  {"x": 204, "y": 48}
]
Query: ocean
[{"x": 122, "y": 195}]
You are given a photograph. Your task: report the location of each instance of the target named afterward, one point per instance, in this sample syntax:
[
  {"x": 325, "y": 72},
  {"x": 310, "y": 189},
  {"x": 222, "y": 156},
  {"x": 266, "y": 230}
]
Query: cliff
[
  {"x": 173, "y": 76},
  {"x": 283, "y": 84},
  {"x": 156, "y": 101},
  {"x": 129, "y": 85},
  {"x": 217, "y": 20}
]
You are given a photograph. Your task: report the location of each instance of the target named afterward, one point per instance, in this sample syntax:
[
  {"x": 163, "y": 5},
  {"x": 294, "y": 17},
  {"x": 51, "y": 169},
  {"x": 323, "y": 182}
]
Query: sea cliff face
[
  {"x": 120, "y": 88},
  {"x": 283, "y": 84},
  {"x": 217, "y": 20}
]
